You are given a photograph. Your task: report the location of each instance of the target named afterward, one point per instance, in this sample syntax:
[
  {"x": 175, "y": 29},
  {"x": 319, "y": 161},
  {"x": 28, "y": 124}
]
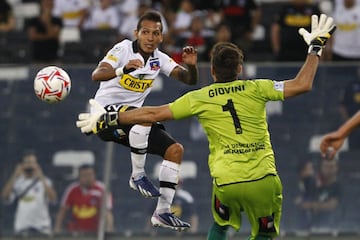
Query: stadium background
[{"x": 26, "y": 122}]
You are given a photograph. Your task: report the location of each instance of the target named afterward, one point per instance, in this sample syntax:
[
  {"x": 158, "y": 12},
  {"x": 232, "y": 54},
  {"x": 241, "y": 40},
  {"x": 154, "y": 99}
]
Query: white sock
[
  {"x": 138, "y": 139},
  {"x": 169, "y": 173}
]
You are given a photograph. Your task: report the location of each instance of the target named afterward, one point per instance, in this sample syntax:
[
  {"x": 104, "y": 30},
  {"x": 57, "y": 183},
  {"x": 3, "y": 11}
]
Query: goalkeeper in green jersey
[{"x": 232, "y": 112}]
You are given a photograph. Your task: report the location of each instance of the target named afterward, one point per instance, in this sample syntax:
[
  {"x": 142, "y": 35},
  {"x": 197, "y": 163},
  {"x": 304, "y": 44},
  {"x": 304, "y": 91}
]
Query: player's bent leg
[
  {"x": 138, "y": 140},
  {"x": 217, "y": 232},
  {"x": 174, "y": 153},
  {"x": 169, "y": 175},
  {"x": 162, "y": 217},
  {"x": 264, "y": 208},
  {"x": 161, "y": 143},
  {"x": 226, "y": 205}
]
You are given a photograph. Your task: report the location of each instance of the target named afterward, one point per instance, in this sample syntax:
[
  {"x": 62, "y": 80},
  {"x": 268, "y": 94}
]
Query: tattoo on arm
[{"x": 189, "y": 76}]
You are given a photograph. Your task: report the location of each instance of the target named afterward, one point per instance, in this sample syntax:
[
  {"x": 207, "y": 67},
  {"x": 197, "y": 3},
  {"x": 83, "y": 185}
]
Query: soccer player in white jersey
[{"x": 126, "y": 76}]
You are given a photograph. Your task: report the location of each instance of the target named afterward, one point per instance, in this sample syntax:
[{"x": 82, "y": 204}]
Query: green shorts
[{"x": 261, "y": 200}]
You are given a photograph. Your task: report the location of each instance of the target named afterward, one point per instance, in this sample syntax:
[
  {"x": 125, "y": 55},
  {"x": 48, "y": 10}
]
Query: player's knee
[
  {"x": 267, "y": 228},
  {"x": 174, "y": 153}
]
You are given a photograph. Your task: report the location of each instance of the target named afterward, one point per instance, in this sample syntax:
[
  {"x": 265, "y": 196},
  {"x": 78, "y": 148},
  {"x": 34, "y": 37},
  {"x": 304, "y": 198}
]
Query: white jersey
[
  {"x": 32, "y": 209},
  {"x": 132, "y": 88},
  {"x": 70, "y": 11},
  {"x": 347, "y": 34},
  {"x": 103, "y": 18}
]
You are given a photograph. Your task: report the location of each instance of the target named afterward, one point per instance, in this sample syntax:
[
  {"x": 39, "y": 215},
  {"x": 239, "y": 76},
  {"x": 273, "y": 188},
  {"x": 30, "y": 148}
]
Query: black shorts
[{"x": 159, "y": 139}]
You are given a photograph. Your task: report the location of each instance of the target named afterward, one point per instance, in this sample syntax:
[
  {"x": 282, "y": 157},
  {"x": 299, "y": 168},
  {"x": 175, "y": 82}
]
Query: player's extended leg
[
  {"x": 261, "y": 201},
  {"x": 264, "y": 208},
  {"x": 138, "y": 140},
  {"x": 163, "y": 144}
]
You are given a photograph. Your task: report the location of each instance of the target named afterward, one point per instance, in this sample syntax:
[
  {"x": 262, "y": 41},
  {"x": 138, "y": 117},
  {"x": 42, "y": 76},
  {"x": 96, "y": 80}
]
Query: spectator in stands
[
  {"x": 213, "y": 18},
  {"x": 72, "y": 12},
  {"x": 349, "y": 105},
  {"x": 183, "y": 18},
  {"x": 7, "y": 19},
  {"x": 103, "y": 16},
  {"x": 307, "y": 191},
  {"x": 129, "y": 8},
  {"x": 84, "y": 199},
  {"x": 222, "y": 34},
  {"x": 44, "y": 34},
  {"x": 307, "y": 182},
  {"x": 321, "y": 211},
  {"x": 337, "y": 2},
  {"x": 197, "y": 36},
  {"x": 345, "y": 46},
  {"x": 32, "y": 192},
  {"x": 242, "y": 17},
  {"x": 286, "y": 45},
  {"x": 129, "y": 25}
]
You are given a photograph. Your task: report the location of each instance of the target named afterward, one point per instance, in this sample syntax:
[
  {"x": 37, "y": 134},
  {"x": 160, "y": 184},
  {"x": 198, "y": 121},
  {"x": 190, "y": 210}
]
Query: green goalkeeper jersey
[{"x": 234, "y": 118}]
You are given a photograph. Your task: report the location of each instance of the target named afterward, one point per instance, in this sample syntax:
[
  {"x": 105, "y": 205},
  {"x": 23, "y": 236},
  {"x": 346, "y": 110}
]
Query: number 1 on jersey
[{"x": 229, "y": 106}]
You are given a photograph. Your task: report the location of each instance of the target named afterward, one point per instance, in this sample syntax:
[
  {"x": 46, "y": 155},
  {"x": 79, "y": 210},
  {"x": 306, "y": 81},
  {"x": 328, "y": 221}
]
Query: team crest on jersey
[
  {"x": 135, "y": 84},
  {"x": 155, "y": 65}
]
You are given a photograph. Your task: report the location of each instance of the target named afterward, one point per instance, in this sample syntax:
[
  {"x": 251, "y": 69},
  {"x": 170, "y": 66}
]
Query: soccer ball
[{"x": 52, "y": 84}]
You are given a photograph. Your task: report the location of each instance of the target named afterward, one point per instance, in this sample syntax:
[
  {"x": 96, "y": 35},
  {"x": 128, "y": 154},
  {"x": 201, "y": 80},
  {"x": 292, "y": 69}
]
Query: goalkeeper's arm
[
  {"x": 321, "y": 30},
  {"x": 100, "y": 119}
]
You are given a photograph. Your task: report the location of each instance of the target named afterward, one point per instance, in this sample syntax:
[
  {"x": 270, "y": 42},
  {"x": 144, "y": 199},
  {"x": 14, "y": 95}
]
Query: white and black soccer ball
[{"x": 52, "y": 84}]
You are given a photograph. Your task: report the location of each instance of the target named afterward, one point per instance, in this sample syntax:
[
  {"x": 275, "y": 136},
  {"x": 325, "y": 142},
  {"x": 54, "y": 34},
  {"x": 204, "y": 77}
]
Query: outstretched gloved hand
[
  {"x": 97, "y": 121},
  {"x": 321, "y": 31}
]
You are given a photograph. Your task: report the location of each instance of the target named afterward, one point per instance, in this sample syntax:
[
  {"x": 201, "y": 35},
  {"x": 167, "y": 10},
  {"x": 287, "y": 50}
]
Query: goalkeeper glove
[
  {"x": 97, "y": 121},
  {"x": 321, "y": 31}
]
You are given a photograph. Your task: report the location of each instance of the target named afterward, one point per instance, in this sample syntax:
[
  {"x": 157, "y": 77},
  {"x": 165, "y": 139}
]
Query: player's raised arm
[
  {"x": 190, "y": 75},
  {"x": 321, "y": 30}
]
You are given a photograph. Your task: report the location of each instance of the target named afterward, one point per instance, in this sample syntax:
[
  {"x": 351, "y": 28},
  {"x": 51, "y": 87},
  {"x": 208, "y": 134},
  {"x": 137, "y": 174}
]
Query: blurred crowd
[
  {"x": 39, "y": 208},
  {"x": 186, "y": 22}
]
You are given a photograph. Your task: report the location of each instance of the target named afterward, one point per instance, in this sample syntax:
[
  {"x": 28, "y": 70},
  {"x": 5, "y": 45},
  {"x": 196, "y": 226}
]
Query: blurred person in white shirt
[
  {"x": 72, "y": 12},
  {"x": 104, "y": 15},
  {"x": 128, "y": 26},
  {"x": 32, "y": 191},
  {"x": 183, "y": 17},
  {"x": 345, "y": 45}
]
